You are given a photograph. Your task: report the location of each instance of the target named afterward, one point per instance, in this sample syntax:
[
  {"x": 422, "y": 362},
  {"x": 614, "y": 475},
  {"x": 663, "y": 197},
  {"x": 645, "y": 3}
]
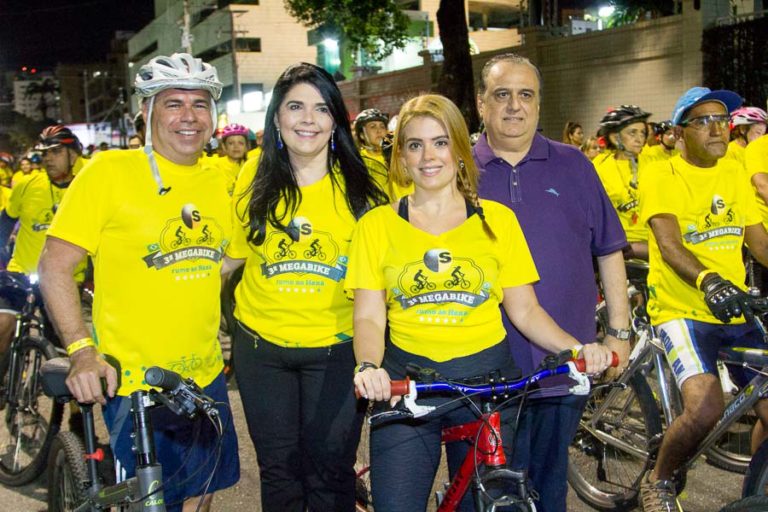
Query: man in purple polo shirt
[{"x": 567, "y": 219}]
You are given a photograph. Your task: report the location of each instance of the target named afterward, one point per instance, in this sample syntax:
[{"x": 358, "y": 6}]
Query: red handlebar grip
[
  {"x": 400, "y": 387},
  {"x": 581, "y": 364}
]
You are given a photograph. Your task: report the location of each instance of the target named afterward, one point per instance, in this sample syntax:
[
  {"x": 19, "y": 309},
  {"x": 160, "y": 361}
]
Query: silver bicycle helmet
[{"x": 179, "y": 71}]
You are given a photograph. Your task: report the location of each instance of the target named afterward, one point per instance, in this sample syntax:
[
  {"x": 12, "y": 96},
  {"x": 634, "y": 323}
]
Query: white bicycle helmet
[{"x": 179, "y": 71}]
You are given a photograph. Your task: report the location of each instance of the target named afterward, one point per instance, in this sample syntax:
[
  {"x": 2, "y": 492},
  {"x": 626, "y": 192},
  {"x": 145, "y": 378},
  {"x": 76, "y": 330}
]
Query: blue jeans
[{"x": 546, "y": 429}]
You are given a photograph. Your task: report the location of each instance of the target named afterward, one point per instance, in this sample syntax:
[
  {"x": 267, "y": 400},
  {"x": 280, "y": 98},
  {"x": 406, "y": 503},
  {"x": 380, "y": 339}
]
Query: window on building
[
  {"x": 146, "y": 52},
  {"x": 248, "y": 44}
]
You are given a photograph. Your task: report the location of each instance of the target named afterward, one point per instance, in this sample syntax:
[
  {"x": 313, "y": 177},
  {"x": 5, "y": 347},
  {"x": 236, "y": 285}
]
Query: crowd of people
[{"x": 350, "y": 234}]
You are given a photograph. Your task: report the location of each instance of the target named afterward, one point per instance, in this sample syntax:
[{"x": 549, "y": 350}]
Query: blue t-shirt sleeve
[{"x": 607, "y": 233}]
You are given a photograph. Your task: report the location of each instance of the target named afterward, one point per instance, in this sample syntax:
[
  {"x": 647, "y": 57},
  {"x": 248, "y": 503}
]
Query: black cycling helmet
[
  {"x": 621, "y": 116},
  {"x": 663, "y": 127},
  {"x": 59, "y": 135},
  {"x": 365, "y": 117}
]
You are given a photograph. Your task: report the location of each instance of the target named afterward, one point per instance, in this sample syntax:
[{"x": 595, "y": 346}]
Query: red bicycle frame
[{"x": 484, "y": 435}]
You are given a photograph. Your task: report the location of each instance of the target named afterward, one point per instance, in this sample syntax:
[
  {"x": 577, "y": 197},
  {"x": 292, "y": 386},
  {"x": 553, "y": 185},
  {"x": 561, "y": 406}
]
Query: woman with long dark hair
[{"x": 293, "y": 343}]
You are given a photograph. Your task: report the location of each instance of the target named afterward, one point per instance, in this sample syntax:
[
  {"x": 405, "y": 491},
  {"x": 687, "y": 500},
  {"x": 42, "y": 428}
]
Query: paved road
[{"x": 708, "y": 488}]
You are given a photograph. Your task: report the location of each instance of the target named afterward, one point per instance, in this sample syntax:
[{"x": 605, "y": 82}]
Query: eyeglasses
[{"x": 702, "y": 123}]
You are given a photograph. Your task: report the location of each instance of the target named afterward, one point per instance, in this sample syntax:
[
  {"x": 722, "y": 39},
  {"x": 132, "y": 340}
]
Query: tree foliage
[
  {"x": 632, "y": 11},
  {"x": 377, "y": 26},
  {"x": 456, "y": 80}
]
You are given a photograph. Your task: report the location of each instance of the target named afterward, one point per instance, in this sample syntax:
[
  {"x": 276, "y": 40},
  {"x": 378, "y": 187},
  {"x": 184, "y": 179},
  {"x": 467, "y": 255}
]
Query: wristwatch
[
  {"x": 364, "y": 366},
  {"x": 619, "y": 334}
]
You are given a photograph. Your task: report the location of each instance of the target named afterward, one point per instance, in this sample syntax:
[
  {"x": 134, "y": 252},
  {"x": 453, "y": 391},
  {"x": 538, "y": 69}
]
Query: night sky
[{"x": 42, "y": 33}]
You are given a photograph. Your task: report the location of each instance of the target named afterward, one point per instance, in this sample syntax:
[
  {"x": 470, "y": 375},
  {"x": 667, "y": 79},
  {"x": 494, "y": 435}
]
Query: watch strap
[{"x": 619, "y": 334}]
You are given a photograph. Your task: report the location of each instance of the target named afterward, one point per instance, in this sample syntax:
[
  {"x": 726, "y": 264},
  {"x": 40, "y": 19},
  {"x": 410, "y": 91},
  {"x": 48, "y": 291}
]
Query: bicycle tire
[
  {"x": 749, "y": 504},
  {"x": 363, "y": 497},
  {"x": 756, "y": 477},
  {"x": 496, "y": 485},
  {"x": 67, "y": 473},
  {"x": 732, "y": 451},
  {"x": 29, "y": 427},
  {"x": 604, "y": 476}
]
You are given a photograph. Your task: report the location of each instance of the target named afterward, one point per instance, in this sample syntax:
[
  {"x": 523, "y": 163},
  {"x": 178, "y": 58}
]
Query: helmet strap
[{"x": 149, "y": 151}]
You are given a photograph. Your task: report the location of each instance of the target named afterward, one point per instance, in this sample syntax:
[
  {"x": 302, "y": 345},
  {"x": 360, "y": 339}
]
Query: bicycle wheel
[
  {"x": 756, "y": 477},
  {"x": 31, "y": 419},
  {"x": 67, "y": 473},
  {"x": 363, "y": 499},
  {"x": 750, "y": 504},
  {"x": 609, "y": 454},
  {"x": 732, "y": 451},
  {"x": 502, "y": 488}
]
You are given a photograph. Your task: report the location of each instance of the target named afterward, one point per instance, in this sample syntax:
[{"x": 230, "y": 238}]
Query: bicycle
[
  {"x": 484, "y": 469},
  {"x": 621, "y": 429},
  {"x": 74, "y": 483},
  {"x": 30, "y": 420}
]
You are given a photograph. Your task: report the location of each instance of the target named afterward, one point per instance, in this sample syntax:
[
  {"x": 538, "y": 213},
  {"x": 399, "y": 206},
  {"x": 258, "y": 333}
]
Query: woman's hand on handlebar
[
  {"x": 374, "y": 384},
  {"x": 597, "y": 356}
]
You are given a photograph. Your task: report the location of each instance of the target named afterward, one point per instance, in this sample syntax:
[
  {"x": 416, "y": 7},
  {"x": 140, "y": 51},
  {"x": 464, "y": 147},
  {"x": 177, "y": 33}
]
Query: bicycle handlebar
[
  {"x": 576, "y": 372},
  {"x": 182, "y": 396}
]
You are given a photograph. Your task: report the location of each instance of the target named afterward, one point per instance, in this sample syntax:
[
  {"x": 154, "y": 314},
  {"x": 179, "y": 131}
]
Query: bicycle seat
[{"x": 53, "y": 373}]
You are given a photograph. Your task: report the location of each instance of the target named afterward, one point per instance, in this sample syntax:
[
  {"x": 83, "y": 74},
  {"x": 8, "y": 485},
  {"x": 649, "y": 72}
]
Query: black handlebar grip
[{"x": 166, "y": 380}]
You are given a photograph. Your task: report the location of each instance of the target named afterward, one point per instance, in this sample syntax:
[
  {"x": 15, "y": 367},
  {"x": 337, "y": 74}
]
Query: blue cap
[{"x": 697, "y": 95}]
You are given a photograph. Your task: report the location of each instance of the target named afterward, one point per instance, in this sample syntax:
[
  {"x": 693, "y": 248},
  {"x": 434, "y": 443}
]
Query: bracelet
[
  {"x": 704, "y": 273},
  {"x": 364, "y": 366},
  {"x": 576, "y": 350},
  {"x": 79, "y": 345}
]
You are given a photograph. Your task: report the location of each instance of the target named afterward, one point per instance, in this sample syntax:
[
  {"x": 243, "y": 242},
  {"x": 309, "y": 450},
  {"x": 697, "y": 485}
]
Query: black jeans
[{"x": 304, "y": 422}]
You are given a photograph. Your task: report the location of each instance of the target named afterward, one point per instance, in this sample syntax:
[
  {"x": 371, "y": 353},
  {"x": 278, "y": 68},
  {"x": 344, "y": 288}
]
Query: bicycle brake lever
[
  {"x": 582, "y": 385},
  {"x": 409, "y": 402}
]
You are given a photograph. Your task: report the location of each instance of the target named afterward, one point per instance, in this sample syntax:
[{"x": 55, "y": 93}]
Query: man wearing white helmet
[{"x": 156, "y": 224}]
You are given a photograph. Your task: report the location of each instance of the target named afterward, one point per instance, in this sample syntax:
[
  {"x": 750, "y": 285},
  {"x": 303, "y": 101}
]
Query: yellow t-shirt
[
  {"x": 616, "y": 176},
  {"x": 712, "y": 206},
  {"x": 756, "y": 161},
  {"x": 33, "y": 201},
  {"x": 157, "y": 261},
  {"x": 735, "y": 152},
  {"x": 292, "y": 292},
  {"x": 443, "y": 292},
  {"x": 657, "y": 153},
  {"x": 228, "y": 168},
  {"x": 18, "y": 175},
  {"x": 254, "y": 153},
  {"x": 5, "y": 197}
]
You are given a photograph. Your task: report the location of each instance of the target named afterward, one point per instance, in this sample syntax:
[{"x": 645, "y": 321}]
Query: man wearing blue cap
[{"x": 701, "y": 210}]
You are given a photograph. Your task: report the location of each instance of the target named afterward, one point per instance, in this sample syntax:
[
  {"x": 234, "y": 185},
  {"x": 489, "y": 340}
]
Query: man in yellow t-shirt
[
  {"x": 33, "y": 203},
  {"x": 664, "y": 133},
  {"x": 156, "y": 223},
  {"x": 700, "y": 214}
]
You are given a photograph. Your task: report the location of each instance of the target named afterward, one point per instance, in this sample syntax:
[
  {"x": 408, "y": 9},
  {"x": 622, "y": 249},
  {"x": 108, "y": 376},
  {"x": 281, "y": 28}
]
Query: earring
[
  {"x": 333, "y": 143},
  {"x": 280, "y": 144},
  {"x": 462, "y": 166}
]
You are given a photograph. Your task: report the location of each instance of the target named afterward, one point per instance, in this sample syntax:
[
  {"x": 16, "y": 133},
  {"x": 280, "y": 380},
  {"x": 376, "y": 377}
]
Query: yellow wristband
[
  {"x": 576, "y": 350},
  {"x": 704, "y": 273},
  {"x": 79, "y": 345}
]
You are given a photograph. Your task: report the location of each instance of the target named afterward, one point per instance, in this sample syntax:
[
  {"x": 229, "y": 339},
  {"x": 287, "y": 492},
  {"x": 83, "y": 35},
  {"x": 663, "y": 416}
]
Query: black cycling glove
[{"x": 725, "y": 299}]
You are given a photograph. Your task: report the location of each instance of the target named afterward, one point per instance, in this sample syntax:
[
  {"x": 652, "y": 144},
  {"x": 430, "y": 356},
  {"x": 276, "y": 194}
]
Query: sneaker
[{"x": 658, "y": 496}]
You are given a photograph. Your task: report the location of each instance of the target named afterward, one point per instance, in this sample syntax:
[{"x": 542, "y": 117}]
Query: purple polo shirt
[{"x": 566, "y": 218}]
